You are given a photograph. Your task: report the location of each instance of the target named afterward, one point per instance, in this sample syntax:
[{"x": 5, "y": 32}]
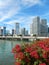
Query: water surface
[{"x": 6, "y": 57}]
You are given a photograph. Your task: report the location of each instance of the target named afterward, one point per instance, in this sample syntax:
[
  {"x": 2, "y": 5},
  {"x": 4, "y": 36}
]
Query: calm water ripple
[{"x": 6, "y": 57}]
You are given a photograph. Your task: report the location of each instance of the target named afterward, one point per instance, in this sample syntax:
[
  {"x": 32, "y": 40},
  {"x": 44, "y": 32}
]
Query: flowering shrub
[{"x": 32, "y": 54}]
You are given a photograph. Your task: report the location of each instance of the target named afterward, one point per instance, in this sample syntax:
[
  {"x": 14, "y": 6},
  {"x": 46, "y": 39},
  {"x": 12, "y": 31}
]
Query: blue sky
[{"x": 22, "y": 11}]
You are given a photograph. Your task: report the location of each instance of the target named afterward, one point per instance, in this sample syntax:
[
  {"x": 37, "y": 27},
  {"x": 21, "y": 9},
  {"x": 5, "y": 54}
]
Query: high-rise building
[
  {"x": 4, "y": 31},
  {"x": 48, "y": 32},
  {"x": 8, "y": 32},
  {"x": 23, "y": 31},
  {"x": 48, "y": 29},
  {"x": 44, "y": 27},
  {"x": 17, "y": 28},
  {"x": 31, "y": 28},
  {"x": 13, "y": 31},
  {"x": 26, "y": 32},
  {"x": 0, "y": 30},
  {"x": 35, "y": 27}
]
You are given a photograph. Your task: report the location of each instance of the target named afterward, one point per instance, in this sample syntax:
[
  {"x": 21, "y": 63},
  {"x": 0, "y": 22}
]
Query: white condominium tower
[
  {"x": 35, "y": 26},
  {"x": 39, "y": 27}
]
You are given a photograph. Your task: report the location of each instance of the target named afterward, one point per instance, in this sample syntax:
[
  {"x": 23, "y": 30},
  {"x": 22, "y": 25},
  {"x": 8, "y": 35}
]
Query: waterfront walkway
[{"x": 21, "y": 37}]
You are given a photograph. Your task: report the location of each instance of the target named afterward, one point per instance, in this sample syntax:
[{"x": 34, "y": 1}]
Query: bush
[{"x": 32, "y": 54}]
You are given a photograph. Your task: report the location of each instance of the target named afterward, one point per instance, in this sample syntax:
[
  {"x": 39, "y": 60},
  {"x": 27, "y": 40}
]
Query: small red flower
[
  {"x": 46, "y": 49},
  {"x": 41, "y": 44},
  {"x": 28, "y": 49},
  {"x": 18, "y": 48},
  {"x": 42, "y": 64},
  {"x": 13, "y": 50},
  {"x": 21, "y": 55},
  {"x": 39, "y": 50},
  {"x": 17, "y": 63},
  {"x": 27, "y": 59},
  {"x": 34, "y": 54},
  {"x": 47, "y": 60},
  {"x": 44, "y": 55},
  {"x": 16, "y": 55}
]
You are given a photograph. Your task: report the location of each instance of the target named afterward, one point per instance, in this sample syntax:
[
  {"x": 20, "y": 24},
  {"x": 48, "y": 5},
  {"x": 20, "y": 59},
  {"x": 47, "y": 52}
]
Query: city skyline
[
  {"x": 23, "y": 12},
  {"x": 39, "y": 27}
]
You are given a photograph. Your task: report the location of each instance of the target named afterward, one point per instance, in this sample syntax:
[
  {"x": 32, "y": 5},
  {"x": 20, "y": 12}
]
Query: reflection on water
[{"x": 6, "y": 57}]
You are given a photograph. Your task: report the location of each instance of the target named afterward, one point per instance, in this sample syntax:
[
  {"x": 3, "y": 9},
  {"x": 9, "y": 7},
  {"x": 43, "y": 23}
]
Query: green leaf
[
  {"x": 27, "y": 54},
  {"x": 22, "y": 62},
  {"x": 35, "y": 63}
]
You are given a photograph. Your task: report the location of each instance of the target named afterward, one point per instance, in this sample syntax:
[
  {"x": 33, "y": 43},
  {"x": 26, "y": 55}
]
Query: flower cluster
[{"x": 36, "y": 53}]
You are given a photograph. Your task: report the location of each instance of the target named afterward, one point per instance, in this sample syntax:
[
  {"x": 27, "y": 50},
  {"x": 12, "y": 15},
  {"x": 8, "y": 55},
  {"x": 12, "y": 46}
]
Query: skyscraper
[
  {"x": 13, "y": 31},
  {"x": 17, "y": 28},
  {"x": 31, "y": 28},
  {"x": 44, "y": 27},
  {"x": 35, "y": 28},
  {"x": 4, "y": 31},
  {"x": 23, "y": 31},
  {"x": 48, "y": 29},
  {"x": 26, "y": 32},
  {"x": 0, "y": 30}
]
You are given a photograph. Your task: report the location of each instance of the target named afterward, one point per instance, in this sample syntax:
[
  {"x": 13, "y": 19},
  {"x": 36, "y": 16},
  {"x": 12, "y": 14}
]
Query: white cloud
[
  {"x": 10, "y": 7},
  {"x": 9, "y": 14},
  {"x": 30, "y": 2},
  {"x": 4, "y": 3},
  {"x": 26, "y": 21}
]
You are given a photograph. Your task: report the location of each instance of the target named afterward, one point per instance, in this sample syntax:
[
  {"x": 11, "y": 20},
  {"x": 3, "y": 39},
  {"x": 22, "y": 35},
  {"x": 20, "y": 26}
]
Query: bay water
[{"x": 6, "y": 56}]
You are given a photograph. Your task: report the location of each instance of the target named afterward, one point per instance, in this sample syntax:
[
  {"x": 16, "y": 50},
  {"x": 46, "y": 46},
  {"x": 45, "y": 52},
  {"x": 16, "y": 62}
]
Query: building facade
[
  {"x": 13, "y": 32},
  {"x": 35, "y": 27},
  {"x": 26, "y": 32},
  {"x": 17, "y": 28},
  {"x": 0, "y": 30},
  {"x": 4, "y": 31},
  {"x": 23, "y": 31},
  {"x": 31, "y": 28},
  {"x": 39, "y": 27},
  {"x": 44, "y": 27}
]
